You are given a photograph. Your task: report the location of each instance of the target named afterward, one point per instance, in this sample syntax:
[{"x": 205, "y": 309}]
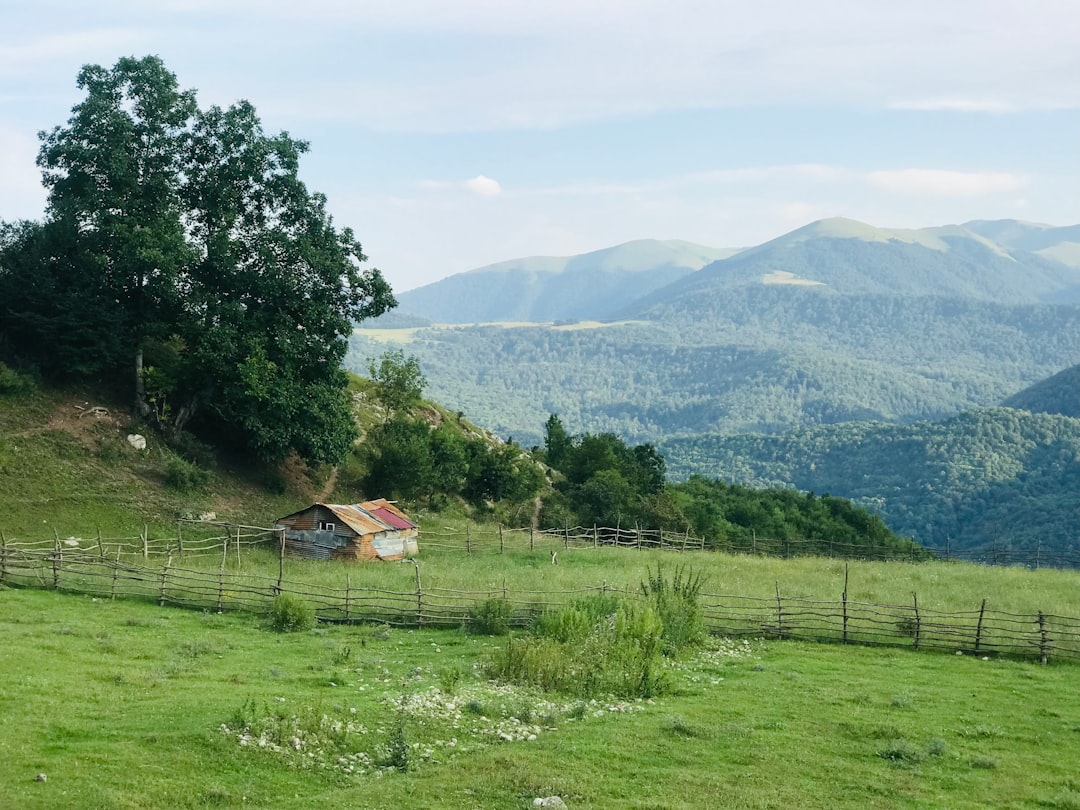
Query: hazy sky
[{"x": 450, "y": 135}]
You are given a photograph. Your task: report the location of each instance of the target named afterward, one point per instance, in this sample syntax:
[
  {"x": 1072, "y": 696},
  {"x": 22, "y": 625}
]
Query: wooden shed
[{"x": 373, "y": 530}]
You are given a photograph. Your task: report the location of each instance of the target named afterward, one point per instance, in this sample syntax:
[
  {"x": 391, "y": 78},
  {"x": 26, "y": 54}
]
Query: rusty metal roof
[{"x": 370, "y": 517}]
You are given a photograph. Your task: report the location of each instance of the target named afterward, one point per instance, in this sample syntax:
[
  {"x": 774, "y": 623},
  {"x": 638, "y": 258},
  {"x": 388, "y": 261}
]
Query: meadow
[{"x": 123, "y": 705}]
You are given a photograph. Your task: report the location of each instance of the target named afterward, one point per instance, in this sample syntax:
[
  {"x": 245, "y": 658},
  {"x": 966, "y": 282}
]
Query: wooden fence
[
  {"x": 207, "y": 538},
  {"x": 108, "y": 574}
]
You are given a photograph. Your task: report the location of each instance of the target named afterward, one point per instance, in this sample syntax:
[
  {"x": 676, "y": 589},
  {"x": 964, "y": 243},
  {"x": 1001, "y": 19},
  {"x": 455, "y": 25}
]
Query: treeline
[{"x": 602, "y": 481}]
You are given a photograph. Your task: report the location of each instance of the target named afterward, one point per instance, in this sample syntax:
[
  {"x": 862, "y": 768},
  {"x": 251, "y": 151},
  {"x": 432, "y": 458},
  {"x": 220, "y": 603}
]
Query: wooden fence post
[
  {"x": 595, "y": 536},
  {"x": 238, "y": 547},
  {"x": 100, "y": 548},
  {"x": 3, "y": 557},
  {"x": 348, "y": 593},
  {"x": 221, "y": 572},
  {"x": 180, "y": 539},
  {"x": 779, "y": 613},
  {"x": 978, "y": 629},
  {"x": 1038, "y": 555},
  {"x": 115, "y": 573},
  {"x": 419, "y": 596},
  {"x": 1044, "y": 640},
  {"x": 566, "y": 537},
  {"x": 57, "y": 561},
  {"x": 918, "y": 620},
  {"x": 844, "y": 597},
  {"x": 281, "y": 560},
  {"x": 468, "y": 540},
  {"x": 164, "y": 575},
  {"x": 145, "y": 543},
  {"x": 530, "y": 537},
  {"x": 500, "y": 539}
]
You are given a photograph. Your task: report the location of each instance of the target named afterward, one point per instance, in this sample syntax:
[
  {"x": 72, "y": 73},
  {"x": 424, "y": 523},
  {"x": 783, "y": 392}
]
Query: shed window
[{"x": 326, "y": 527}]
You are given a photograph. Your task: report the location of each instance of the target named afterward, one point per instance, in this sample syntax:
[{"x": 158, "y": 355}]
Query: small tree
[{"x": 398, "y": 380}]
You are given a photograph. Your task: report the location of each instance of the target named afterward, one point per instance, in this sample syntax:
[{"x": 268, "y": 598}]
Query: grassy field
[
  {"x": 946, "y": 587},
  {"x": 127, "y": 705}
]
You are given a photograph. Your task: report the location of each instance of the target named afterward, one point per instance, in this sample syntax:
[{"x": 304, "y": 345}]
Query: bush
[
  {"x": 183, "y": 476},
  {"x": 490, "y": 618},
  {"x": 194, "y": 450},
  {"x": 12, "y": 383},
  {"x": 290, "y": 614}
]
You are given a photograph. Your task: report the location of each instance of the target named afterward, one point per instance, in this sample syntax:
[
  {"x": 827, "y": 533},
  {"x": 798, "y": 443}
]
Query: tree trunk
[{"x": 142, "y": 409}]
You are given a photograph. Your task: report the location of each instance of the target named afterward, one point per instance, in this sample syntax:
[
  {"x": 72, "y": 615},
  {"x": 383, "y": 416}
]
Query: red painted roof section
[{"x": 386, "y": 516}]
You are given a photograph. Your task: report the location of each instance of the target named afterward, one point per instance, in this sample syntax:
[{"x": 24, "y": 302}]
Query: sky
[{"x": 452, "y": 135}]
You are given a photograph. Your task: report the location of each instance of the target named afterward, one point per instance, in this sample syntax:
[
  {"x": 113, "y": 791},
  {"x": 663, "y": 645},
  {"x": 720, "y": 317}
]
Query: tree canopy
[{"x": 181, "y": 251}]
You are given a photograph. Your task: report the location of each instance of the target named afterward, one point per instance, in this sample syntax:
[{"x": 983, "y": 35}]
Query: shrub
[
  {"x": 490, "y": 618},
  {"x": 183, "y": 476},
  {"x": 12, "y": 383},
  {"x": 194, "y": 450},
  {"x": 290, "y": 614}
]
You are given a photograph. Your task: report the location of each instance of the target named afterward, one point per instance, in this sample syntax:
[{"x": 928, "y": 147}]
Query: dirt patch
[{"x": 85, "y": 420}]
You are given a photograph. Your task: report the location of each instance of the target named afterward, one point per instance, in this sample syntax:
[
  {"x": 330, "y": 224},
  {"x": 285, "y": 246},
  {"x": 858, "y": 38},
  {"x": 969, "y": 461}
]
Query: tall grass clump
[
  {"x": 588, "y": 648},
  {"x": 291, "y": 614},
  {"x": 676, "y": 601},
  {"x": 490, "y": 617}
]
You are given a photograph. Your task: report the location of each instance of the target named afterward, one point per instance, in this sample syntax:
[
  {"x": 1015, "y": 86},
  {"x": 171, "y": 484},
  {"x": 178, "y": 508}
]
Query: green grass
[
  {"x": 65, "y": 469},
  {"x": 121, "y": 704},
  {"x": 946, "y": 587}
]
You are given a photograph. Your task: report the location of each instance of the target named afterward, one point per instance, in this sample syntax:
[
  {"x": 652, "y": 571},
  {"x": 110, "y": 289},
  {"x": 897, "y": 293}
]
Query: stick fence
[{"x": 107, "y": 571}]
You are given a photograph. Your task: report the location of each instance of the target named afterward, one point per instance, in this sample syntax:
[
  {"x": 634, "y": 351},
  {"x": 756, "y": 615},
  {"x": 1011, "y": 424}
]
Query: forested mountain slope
[
  {"x": 1059, "y": 394},
  {"x": 992, "y": 476},
  {"x": 761, "y": 359},
  {"x": 835, "y": 321}
]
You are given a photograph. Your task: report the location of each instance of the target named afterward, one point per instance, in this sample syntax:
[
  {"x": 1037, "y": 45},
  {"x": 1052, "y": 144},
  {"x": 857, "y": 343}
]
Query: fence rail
[
  {"x": 980, "y": 632},
  {"x": 195, "y": 538}
]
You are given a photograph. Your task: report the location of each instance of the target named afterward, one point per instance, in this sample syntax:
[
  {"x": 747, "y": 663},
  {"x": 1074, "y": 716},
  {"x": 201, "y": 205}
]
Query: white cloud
[
  {"x": 479, "y": 185},
  {"x": 946, "y": 183},
  {"x": 484, "y": 186}
]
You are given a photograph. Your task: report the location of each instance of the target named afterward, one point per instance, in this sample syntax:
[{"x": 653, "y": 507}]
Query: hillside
[
  {"x": 989, "y": 477},
  {"x": 1059, "y": 394},
  {"x": 764, "y": 360},
  {"x": 835, "y": 321},
  {"x": 853, "y": 259},
  {"x": 66, "y": 465},
  {"x": 589, "y": 286}
]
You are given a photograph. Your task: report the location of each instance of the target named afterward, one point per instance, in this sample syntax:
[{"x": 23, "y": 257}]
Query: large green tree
[
  {"x": 114, "y": 178},
  {"x": 185, "y": 238}
]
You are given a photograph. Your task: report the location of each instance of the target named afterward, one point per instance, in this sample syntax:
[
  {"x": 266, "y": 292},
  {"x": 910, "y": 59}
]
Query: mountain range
[
  {"x": 1003, "y": 261},
  {"x": 593, "y": 285},
  {"x": 824, "y": 351}
]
